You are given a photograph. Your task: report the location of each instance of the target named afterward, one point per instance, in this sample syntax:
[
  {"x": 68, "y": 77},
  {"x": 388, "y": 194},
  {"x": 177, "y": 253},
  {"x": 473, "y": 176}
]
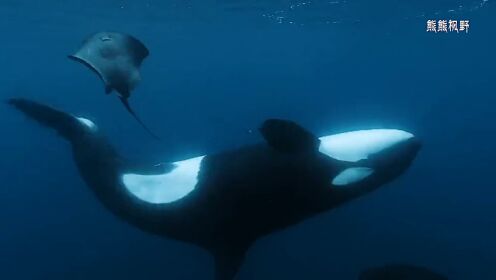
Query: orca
[{"x": 224, "y": 202}]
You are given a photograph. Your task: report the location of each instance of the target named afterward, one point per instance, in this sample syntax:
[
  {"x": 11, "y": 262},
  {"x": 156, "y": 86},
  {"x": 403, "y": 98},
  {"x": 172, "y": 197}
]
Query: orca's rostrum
[{"x": 224, "y": 202}]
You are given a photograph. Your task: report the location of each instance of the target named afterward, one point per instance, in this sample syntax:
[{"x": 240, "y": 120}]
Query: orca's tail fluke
[
  {"x": 102, "y": 168},
  {"x": 68, "y": 126}
]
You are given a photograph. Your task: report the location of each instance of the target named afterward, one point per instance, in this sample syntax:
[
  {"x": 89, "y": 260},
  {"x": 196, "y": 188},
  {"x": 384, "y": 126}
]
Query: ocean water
[{"x": 217, "y": 69}]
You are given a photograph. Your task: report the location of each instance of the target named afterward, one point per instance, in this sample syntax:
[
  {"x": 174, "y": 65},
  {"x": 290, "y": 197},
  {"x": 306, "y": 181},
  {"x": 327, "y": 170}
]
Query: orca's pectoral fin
[
  {"x": 125, "y": 102},
  {"x": 288, "y": 136},
  {"x": 227, "y": 264}
]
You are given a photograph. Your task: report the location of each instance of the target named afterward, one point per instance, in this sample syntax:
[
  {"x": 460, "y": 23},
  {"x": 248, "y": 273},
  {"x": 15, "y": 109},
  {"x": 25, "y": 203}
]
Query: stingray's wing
[
  {"x": 114, "y": 57},
  {"x": 137, "y": 51},
  {"x": 92, "y": 66}
]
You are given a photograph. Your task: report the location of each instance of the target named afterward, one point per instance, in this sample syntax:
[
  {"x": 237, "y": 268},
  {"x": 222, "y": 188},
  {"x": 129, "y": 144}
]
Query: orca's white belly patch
[
  {"x": 357, "y": 145},
  {"x": 168, "y": 187},
  {"x": 352, "y": 175}
]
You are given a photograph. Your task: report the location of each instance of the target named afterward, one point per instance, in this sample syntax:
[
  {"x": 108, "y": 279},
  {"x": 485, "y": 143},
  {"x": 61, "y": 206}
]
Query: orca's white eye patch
[
  {"x": 352, "y": 175},
  {"x": 357, "y": 145},
  {"x": 165, "y": 188},
  {"x": 87, "y": 123}
]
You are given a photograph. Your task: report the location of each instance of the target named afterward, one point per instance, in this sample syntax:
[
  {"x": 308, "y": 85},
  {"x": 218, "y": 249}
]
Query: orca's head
[{"x": 375, "y": 154}]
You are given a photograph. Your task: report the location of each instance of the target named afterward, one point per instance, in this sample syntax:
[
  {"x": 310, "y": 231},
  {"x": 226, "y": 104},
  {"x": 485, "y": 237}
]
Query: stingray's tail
[
  {"x": 66, "y": 125},
  {"x": 131, "y": 111}
]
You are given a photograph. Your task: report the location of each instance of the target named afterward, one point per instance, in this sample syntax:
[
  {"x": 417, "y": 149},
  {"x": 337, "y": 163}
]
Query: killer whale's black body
[{"x": 241, "y": 194}]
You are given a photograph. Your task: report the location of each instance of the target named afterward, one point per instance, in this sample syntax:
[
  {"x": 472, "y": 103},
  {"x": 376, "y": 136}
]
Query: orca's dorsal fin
[{"x": 287, "y": 136}]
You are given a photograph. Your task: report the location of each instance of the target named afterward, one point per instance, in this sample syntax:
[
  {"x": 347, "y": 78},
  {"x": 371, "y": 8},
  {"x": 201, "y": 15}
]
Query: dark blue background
[{"x": 216, "y": 70}]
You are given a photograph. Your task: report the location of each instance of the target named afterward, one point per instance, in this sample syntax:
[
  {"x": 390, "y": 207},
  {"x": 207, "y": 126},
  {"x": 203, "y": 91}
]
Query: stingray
[{"x": 116, "y": 59}]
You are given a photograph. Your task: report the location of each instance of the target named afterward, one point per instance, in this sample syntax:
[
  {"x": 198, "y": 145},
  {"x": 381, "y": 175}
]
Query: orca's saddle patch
[{"x": 289, "y": 137}]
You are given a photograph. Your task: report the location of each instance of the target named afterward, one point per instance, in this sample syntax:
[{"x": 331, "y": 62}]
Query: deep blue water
[{"x": 217, "y": 69}]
